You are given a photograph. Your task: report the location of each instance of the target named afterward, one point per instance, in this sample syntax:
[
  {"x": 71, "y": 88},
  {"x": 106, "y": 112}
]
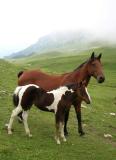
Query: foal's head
[
  {"x": 81, "y": 92},
  {"x": 94, "y": 68}
]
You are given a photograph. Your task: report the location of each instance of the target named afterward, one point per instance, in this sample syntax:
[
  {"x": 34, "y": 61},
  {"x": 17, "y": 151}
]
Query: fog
[{"x": 23, "y": 22}]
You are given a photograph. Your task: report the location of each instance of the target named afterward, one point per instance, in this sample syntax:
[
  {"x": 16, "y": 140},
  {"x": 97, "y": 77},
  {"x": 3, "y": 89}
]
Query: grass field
[{"x": 97, "y": 120}]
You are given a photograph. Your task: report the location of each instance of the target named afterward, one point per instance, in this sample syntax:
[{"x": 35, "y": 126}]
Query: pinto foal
[{"x": 57, "y": 101}]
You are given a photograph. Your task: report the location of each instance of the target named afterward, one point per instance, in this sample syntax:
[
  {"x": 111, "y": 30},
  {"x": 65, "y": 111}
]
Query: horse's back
[{"x": 46, "y": 81}]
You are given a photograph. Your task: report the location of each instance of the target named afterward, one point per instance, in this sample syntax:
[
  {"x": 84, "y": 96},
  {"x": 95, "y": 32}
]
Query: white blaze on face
[
  {"x": 57, "y": 97},
  {"x": 88, "y": 93}
]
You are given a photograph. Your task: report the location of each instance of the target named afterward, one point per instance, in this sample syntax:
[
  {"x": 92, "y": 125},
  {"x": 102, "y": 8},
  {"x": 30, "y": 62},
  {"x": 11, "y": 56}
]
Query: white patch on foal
[
  {"x": 57, "y": 97},
  {"x": 21, "y": 89}
]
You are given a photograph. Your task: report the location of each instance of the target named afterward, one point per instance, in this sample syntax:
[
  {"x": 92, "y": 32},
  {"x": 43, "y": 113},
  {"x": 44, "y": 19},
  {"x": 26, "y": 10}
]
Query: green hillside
[{"x": 97, "y": 120}]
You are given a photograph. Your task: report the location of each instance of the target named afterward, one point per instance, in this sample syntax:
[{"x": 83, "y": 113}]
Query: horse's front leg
[
  {"x": 78, "y": 114},
  {"x": 66, "y": 116}
]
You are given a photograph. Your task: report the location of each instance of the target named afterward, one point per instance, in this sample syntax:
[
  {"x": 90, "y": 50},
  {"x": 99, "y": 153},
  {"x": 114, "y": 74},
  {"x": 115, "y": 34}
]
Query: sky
[{"x": 23, "y": 22}]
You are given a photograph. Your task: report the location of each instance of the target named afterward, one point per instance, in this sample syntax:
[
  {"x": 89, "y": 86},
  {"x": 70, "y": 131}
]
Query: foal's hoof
[
  {"x": 9, "y": 132},
  {"x": 81, "y": 133},
  {"x": 6, "y": 128},
  {"x": 58, "y": 142},
  {"x": 64, "y": 139},
  {"x": 30, "y": 135}
]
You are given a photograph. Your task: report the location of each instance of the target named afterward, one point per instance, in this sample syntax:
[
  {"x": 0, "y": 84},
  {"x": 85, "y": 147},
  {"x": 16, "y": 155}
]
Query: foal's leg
[
  {"x": 15, "y": 112},
  {"x": 25, "y": 117},
  {"x": 20, "y": 118},
  {"x": 78, "y": 113},
  {"x": 57, "y": 119},
  {"x": 62, "y": 131},
  {"x": 57, "y": 136}
]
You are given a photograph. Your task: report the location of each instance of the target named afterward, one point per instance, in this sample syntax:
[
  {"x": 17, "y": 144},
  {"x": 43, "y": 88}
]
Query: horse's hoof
[
  {"x": 82, "y": 133},
  {"x": 66, "y": 133}
]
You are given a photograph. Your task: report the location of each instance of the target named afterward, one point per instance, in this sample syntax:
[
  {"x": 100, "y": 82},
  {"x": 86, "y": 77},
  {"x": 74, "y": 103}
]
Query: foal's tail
[
  {"x": 15, "y": 102},
  {"x": 20, "y": 73}
]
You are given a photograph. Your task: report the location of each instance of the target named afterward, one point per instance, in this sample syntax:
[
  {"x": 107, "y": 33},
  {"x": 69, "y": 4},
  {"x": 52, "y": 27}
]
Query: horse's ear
[
  {"x": 92, "y": 55},
  {"x": 99, "y": 57}
]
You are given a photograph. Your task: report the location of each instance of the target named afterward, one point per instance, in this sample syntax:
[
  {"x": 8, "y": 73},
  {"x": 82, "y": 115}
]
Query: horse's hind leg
[
  {"x": 25, "y": 117},
  {"x": 15, "y": 112}
]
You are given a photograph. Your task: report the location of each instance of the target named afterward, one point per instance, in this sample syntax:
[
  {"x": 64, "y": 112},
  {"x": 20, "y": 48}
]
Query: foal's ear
[
  {"x": 99, "y": 57},
  {"x": 92, "y": 55},
  {"x": 82, "y": 83},
  {"x": 79, "y": 84}
]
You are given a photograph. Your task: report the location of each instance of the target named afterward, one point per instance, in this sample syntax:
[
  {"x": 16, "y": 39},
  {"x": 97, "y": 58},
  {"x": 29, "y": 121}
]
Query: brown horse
[{"x": 91, "y": 67}]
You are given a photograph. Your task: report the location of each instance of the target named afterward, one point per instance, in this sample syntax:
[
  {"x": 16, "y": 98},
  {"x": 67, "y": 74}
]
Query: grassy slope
[{"x": 96, "y": 117}]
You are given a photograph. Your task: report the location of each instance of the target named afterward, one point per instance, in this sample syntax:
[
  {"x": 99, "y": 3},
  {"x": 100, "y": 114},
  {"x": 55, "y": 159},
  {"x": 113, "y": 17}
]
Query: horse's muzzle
[{"x": 100, "y": 79}]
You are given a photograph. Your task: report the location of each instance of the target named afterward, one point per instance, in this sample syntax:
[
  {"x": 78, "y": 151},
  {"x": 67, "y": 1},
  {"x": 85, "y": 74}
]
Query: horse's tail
[{"x": 20, "y": 73}]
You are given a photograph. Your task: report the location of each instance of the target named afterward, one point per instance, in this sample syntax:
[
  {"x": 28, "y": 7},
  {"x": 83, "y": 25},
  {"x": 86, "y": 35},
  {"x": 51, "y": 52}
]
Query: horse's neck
[
  {"x": 79, "y": 75},
  {"x": 87, "y": 80}
]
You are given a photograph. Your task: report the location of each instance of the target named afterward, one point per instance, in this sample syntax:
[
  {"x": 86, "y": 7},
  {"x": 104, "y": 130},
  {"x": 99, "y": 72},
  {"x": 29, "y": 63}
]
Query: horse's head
[
  {"x": 95, "y": 68},
  {"x": 81, "y": 92}
]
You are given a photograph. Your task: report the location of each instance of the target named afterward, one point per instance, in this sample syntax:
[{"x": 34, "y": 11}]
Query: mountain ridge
[{"x": 59, "y": 42}]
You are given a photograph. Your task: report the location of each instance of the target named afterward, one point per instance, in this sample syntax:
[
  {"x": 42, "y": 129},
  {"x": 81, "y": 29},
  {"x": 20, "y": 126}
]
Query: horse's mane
[{"x": 81, "y": 65}]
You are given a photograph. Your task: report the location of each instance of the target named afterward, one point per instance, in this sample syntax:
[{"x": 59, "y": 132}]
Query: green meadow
[{"x": 97, "y": 120}]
